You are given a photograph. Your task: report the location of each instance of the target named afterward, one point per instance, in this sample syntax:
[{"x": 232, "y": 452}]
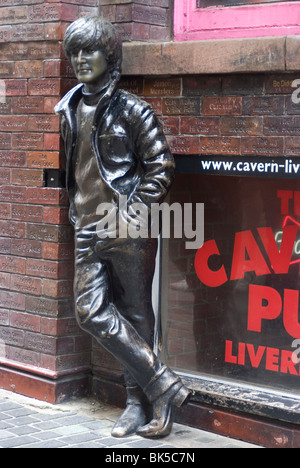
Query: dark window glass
[{"x": 234, "y": 312}]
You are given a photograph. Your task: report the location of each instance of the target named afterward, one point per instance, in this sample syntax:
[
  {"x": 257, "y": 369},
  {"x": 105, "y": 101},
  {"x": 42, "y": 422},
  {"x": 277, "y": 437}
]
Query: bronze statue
[{"x": 116, "y": 150}]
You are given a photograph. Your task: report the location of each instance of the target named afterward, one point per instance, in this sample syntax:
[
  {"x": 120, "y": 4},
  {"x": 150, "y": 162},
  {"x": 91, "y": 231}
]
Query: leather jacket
[{"x": 132, "y": 152}]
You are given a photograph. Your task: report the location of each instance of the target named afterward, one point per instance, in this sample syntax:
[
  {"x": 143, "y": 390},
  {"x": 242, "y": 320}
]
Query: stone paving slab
[{"x": 86, "y": 423}]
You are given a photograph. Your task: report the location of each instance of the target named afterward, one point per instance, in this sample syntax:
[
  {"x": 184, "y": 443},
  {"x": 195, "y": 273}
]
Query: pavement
[{"x": 87, "y": 423}]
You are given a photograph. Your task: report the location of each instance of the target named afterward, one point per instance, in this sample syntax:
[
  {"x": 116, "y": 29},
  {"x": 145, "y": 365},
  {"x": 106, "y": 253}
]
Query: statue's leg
[
  {"x": 138, "y": 411},
  {"x": 132, "y": 270},
  {"x": 98, "y": 315}
]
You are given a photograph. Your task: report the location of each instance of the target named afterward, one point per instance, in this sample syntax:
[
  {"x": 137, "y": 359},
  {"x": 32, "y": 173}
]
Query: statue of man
[{"x": 116, "y": 150}]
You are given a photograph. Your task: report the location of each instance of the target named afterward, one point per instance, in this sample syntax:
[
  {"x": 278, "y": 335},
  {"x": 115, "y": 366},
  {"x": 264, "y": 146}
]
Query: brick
[
  {"x": 52, "y": 68},
  {"x": 53, "y": 251},
  {"x": 30, "y": 141},
  {"x": 12, "y": 300},
  {"x": 201, "y": 85},
  {"x": 54, "y": 12},
  {"x": 184, "y": 144},
  {"x": 25, "y": 321},
  {"x": 4, "y": 317},
  {"x": 11, "y": 264},
  {"x": 44, "y": 123},
  {"x": 58, "y": 288},
  {"x": 5, "y": 141},
  {"x": 285, "y": 126},
  {"x": 56, "y": 215},
  {"x": 241, "y": 84},
  {"x": 44, "y": 86},
  {"x": 125, "y": 31},
  {"x": 134, "y": 85},
  {"x": 13, "y": 158},
  {"x": 222, "y": 106},
  {"x": 5, "y": 33},
  {"x": 220, "y": 145},
  {"x": 29, "y": 50},
  {"x": 5, "y": 246},
  {"x": 28, "y": 213},
  {"x": 242, "y": 126},
  {"x": 263, "y": 105},
  {"x": 12, "y": 194},
  {"x": 26, "y": 248},
  {"x": 47, "y": 196},
  {"x": 28, "y": 177},
  {"x": 11, "y": 336},
  {"x": 23, "y": 356},
  {"x": 47, "y": 307},
  {"x": 292, "y": 146},
  {"x": 4, "y": 284},
  {"x": 13, "y": 123},
  {"x": 52, "y": 142},
  {"x": 170, "y": 125},
  {"x": 181, "y": 106},
  {"x": 43, "y": 159},
  {"x": 200, "y": 125},
  {"x": 5, "y": 211},
  {"x": 27, "y": 32},
  {"x": 263, "y": 146},
  {"x": 12, "y": 229},
  {"x": 29, "y": 69},
  {"x": 292, "y": 108},
  {"x": 123, "y": 13},
  {"x": 49, "y": 233},
  {"x": 16, "y": 87},
  {"x": 40, "y": 343},
  {"x": 55, "y": 31},
  {"x": 140, "y": 32},
  {"x": 280, "y": 84},
  {"x": 163, "y": 87},
  {"x": 49, "y": 269},
  {"x": 26, "y": 284},
  {"x": 7, "y": 68},
  {"x": 40, "y": 232},
  {"x": 13, "y": 15},
  {"x": 159, "y": 33},
  {"x": 27, "y": 105},
  {"x": 60, "y": 327},
  {"x": 49, "y": 104},
  {"x": 5, "y": 176},
  {"x": 5, "y": 107}
]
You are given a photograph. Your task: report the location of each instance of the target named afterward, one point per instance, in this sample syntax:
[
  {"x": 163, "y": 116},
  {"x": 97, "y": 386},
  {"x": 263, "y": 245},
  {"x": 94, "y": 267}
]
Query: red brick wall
[
  {"x": 226, "y": 114},
  {"x": 140, "y": 20},
  {"x": 38, "y": 333}
]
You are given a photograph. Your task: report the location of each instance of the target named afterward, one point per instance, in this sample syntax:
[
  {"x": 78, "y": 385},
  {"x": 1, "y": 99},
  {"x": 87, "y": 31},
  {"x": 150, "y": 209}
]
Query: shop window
[
  {"x": 231, "y": 308},
  {"x": 223, "y": 19},
  {"x": 210, "y": 3}
]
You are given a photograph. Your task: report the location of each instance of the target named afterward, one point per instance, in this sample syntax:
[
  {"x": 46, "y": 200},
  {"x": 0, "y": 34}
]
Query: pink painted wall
[{"x": 191, "y": 24}]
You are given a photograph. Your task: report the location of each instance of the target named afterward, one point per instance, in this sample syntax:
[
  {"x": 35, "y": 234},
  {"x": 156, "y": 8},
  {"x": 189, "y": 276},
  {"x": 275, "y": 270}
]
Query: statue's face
[{"x": 90, "y": 66}]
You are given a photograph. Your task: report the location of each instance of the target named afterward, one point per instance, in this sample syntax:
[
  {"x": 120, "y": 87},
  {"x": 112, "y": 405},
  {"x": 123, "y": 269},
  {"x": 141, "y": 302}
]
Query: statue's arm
[{"x": 156, "y": 160}]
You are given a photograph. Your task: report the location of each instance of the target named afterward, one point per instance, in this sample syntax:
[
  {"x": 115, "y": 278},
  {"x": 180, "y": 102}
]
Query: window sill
[
  {"x": 253, "y": 55},
  {"x": 244, "y": 398}
]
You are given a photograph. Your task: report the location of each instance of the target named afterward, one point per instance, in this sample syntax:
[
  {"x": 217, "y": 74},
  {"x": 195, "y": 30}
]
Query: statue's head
[{"x": 94, "y": 48}]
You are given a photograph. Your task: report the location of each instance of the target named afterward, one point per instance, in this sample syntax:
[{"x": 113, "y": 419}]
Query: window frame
[{"x": 259, "y": 20}]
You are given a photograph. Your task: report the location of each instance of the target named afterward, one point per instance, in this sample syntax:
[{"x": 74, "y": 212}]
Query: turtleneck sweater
[{"x": 91, "y": 188}]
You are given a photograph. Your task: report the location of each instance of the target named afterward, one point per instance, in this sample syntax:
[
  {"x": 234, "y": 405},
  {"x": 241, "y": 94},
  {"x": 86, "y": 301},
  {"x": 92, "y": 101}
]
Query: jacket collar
[{"x": 68, "y": 105}]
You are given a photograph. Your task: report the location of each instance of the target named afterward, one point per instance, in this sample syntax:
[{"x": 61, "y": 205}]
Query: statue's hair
[{"x": 96, "y": 34}]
